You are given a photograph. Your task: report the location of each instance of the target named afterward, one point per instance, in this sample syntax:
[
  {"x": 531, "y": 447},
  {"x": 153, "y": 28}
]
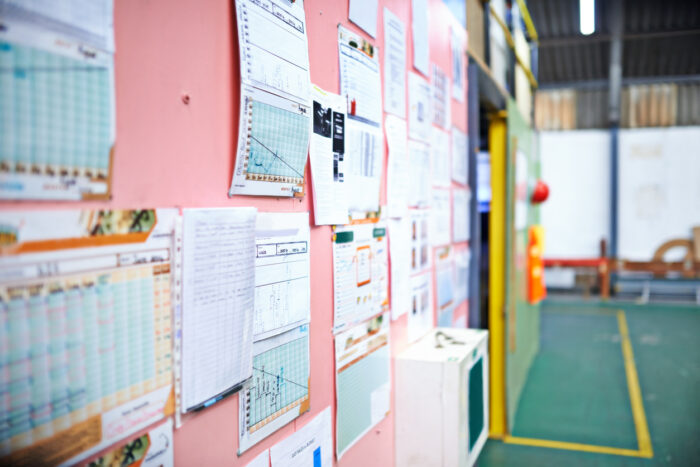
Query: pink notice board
[{"x": 177, "y": 90}]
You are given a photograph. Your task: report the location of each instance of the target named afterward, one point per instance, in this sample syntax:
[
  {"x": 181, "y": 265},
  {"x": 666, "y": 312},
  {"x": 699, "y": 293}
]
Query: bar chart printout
[{"x": 85, "y": 330}]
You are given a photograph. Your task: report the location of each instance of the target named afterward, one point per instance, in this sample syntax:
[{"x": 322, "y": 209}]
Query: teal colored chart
[
  {"x": 56, "y": 113},
  {"x": 280, "y": 379},
  {"x": 278, "y": 143}
]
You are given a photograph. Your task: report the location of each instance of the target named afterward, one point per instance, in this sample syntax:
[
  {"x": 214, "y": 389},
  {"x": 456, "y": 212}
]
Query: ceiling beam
[{"x": 581, "y": 40}]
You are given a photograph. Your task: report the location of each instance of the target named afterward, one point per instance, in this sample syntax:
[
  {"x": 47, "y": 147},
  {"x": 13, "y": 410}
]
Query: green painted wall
[{"x": 522, "y": 319}]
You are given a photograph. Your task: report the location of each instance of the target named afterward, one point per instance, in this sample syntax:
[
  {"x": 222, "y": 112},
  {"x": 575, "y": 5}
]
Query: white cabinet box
[{"x": 441, "y": 399}]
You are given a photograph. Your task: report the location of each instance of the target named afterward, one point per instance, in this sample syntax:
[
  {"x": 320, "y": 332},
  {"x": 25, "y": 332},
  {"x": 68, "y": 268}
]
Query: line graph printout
[
  {"x": 363, "y": 379},
  {"x": 275, "y": 111},
  {"x": 282, "y": 287},
  {"x": 278, "y": 392},
  {"x": 85, "y": 330},
  {"x": 218, "y": 287},
  {"x": 360, "y": 273}
]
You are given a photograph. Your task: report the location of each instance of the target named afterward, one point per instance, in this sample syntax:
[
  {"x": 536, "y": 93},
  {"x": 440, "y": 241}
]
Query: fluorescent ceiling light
[{"x": 587, "y": 16}]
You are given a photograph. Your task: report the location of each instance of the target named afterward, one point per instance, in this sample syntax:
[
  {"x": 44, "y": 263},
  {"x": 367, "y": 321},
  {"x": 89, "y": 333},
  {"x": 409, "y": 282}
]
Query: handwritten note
[{"x": 218, "y": 293}]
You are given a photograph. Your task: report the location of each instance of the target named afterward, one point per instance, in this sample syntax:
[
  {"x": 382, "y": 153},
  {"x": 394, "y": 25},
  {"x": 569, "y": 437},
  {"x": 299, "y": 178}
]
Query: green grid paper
[
  {"x": 280, "y": 378},
  {"x": 279, "y": 142},
  {"x": 55, "y": 111}
]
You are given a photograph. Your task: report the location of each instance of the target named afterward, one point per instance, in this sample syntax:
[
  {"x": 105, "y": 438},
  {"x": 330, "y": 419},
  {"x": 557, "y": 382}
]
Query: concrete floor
[{"x": 577, "y": 389}]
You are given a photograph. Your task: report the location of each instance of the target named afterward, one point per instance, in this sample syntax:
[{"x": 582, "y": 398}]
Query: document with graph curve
[
  {"x": 278, "y": 392},
  {"x": 275, "y": 113}
]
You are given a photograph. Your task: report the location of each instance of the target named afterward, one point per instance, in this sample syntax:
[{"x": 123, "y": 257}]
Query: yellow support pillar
[{"x": 497, "y": 275}]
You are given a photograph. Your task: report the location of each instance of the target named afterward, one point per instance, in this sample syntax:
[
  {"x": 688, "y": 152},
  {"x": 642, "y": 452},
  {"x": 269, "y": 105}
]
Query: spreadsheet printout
[
  {"x": 278, "y": 392},
  {"x": 363, "y": 380},
  {"x": 57, "y": 117},
  {"x": 85, "y": 330},
  {"x": 218, "y": 262},
  {"x": 282, "y": 287}
]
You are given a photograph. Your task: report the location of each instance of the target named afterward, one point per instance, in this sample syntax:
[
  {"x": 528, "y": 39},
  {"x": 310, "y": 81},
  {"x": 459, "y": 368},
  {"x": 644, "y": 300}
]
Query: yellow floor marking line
[
  {"x": 635, "y": 393},
  {"x": 545, "y": 443}
]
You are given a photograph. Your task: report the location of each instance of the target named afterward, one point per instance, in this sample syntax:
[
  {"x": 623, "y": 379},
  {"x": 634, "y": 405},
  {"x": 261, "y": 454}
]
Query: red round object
[{"x": 540, "y": 193}]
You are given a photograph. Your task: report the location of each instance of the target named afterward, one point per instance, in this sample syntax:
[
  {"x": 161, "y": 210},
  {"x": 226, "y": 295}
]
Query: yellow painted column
[{"x": 497, "y": 275}]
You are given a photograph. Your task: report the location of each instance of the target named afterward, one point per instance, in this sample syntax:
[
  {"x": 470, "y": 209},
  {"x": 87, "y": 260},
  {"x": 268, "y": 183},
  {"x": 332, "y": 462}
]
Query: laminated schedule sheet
[
  {"x": 275, "y": 114},
  {"x": 85, "y": 330}
]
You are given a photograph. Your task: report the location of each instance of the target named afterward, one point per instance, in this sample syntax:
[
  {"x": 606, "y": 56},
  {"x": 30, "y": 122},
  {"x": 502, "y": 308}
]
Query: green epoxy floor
[{"x": 577, "y": 388}]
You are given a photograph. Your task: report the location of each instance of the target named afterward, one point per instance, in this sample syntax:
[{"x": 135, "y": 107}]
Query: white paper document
[
  {"x": 364, "y": 152},
  {"x": 419, "y": 117},
  {"x": 278, "y": 392},
  {"x": 362, "y": 380},
  {"x": 309, "y": 446},
  {"x": 419, "y": 174},
  {"x": 460, "y": 214},
  {"x": 445, "y": 280},
  {"x": 460, "y": 151},
  {"x": 360, "y": 80},
  {"x": 462, "y": 258},
  {"x": 327, "y": 158},
  {"x": 275, "y": 113},
  {"x": 85, "y": 22},
  {"x": 459, "y": 69},
  {"x": 420, "y": 317},
  {"x": 400, "y": 260},
  {"x": 420, "y": 240},
  {"x": 441, "y": 98},
  {"x": 282, "y": 286},
  {"x": 440, "y": 216},
  {"x": 261, "y": 460},
  {"x": 364, "y": 14},
  {"x": 440, "y": 158},
  {"x": 394, "y": 65},
  {"x": 421, "y": 39},
  {"x": 218, "y": 263},
  {"x": 360, "y": 273},
  {"x": 398, "y": 172}
]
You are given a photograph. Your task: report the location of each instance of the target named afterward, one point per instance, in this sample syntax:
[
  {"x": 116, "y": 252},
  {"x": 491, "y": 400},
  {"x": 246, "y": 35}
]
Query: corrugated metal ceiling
[{"x": 661, "y": 39}]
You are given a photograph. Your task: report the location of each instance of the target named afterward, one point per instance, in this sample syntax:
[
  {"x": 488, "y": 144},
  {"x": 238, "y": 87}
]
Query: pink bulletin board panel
[{"x": 177, "y": 100}]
